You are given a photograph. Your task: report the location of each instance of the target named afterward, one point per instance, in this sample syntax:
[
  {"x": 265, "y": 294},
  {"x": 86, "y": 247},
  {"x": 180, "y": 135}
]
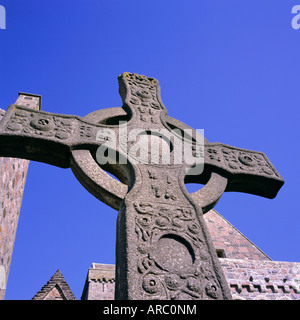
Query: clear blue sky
[{"x": 228, "y": 67}]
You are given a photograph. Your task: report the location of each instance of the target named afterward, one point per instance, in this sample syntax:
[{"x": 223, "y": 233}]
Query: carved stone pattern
[
  {"x": 143, "y": 97},
  {"x": 184, "y": 275},
  {"x": 86, "y": 132},
  {"x": 140, "y": 78},
  {"x": 164, "y": 188},
  {"x": 35, "y": 123},
  {"x": 237, "y": 160},
  {"x": 39, "y": 124},
  {"x": 197, "y": 150}
]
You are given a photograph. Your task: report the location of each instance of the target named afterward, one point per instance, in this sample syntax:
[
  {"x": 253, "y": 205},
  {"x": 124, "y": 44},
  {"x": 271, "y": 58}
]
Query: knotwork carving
[
  {"x": 160, "y": 226},
  {"x": 33, "y": 123},
  {"x": 239, "y": 160}
]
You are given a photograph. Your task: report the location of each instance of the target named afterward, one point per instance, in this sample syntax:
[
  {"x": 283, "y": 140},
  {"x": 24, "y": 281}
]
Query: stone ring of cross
[
  {"x": 111, "y": 191},
  {"x": 164, "y": 250}
]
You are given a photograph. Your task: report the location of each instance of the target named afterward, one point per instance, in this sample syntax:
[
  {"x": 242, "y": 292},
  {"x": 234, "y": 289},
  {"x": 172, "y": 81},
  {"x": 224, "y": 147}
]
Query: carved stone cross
[{"x": 163, "y": 250}]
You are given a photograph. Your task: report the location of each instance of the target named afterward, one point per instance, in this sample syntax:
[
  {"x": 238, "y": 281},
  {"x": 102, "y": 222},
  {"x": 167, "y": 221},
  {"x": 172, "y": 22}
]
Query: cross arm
[
  {"x": 42, "y": 136},
  {"x": 246, "y": 171}
]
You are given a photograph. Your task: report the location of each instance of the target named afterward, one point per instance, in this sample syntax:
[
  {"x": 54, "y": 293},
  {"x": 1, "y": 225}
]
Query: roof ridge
[{"x": 56, "y": 280}]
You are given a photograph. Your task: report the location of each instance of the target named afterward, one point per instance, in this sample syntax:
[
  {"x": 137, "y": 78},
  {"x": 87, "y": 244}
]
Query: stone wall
[
  {"x": 12, "y": 181},
  {"x": 262, "y": 280},
  {"x": 100, "y": 282}
]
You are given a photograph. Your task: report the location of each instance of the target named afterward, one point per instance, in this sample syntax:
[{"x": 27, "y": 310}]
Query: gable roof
[
  {"x": 229, "y": 239},
  {"x": 55, "y": 289}
]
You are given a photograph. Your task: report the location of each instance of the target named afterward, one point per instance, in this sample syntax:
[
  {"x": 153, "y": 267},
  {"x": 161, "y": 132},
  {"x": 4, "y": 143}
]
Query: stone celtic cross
[{"x": 163, "y": 249}]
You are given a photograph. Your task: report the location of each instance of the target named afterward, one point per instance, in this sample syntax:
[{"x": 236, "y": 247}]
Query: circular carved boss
[
  {"x": 247, "y": 160},
  {"x": 41, "y": 123}
]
